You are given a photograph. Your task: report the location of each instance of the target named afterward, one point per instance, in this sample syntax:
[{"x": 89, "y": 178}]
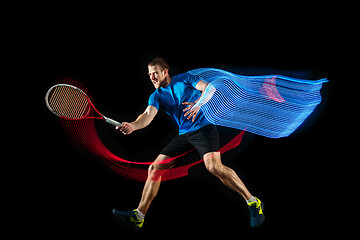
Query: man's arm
[
  {"x": 207, "y": 91},
  {"x": 142, "y": 121}
]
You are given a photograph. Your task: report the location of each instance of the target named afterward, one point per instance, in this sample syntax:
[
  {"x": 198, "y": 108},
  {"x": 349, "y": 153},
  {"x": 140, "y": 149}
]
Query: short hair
[{"x": 159, "y": 62}]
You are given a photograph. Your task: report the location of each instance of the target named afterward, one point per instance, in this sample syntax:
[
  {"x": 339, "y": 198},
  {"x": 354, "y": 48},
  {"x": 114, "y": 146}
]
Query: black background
[{"x": 72, "y": 195}]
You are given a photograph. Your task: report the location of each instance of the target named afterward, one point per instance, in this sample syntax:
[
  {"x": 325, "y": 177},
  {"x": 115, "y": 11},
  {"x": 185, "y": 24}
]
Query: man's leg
[
  {"x": 134, "y": 219},
  {"x": 225, "y": 174},
  {"x": 231, "y": 179},
  {"x": 153, "y": 181}
]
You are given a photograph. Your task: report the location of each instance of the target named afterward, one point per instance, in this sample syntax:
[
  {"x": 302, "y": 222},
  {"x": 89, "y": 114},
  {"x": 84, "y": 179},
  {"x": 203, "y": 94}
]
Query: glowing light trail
[{"x": 272, "y": 106}]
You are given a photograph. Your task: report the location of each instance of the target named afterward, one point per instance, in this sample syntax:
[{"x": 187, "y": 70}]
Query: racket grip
[{"x": 112, "y": 122}]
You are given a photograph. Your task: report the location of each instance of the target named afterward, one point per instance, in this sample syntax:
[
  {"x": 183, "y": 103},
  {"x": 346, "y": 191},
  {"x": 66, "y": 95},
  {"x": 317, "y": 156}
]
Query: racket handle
[{"x": 112, "y": 122}]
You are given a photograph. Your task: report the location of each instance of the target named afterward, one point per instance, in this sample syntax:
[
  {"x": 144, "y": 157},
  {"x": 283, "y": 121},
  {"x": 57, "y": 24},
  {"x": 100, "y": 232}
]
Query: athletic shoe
[
  {"x": 256, "y": 213},
  {"x": 129, "y": 219}
]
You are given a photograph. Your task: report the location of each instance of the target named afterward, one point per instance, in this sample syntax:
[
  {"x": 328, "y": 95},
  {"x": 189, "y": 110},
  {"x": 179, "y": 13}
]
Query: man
[{"x": 181, "y": 97}]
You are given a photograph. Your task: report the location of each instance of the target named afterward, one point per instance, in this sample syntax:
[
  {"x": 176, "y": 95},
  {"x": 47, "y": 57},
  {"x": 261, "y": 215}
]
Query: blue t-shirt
[{"x": 170, "y": 99}]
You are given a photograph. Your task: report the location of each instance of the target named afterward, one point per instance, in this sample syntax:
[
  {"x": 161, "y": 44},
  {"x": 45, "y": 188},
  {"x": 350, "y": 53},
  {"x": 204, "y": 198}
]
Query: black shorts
[{"x": 205, "y": 139}]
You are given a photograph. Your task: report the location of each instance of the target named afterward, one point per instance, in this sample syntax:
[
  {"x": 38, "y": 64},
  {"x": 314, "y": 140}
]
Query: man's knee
[
  {"x": 157, "y": 168},
  {"x": 152, "y": 168},
  {"x": 213, "y": 163},
  {"x": 154, "y": 173}
]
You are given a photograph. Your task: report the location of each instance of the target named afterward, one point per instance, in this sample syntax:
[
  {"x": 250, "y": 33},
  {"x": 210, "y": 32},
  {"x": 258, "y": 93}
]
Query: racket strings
[{"x": 69, "y": 102}]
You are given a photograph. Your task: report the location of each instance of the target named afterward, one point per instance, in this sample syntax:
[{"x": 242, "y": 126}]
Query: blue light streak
[{"x": 273, "y": 106}]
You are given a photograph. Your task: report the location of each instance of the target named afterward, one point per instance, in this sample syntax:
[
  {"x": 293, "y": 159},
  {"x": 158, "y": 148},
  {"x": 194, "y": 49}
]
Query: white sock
[
  {"x": 140, "y": 215},
  {"x": 252, "y": 199}
]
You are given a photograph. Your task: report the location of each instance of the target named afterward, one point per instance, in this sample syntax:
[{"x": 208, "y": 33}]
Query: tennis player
[{"x": 181, "y": 97}]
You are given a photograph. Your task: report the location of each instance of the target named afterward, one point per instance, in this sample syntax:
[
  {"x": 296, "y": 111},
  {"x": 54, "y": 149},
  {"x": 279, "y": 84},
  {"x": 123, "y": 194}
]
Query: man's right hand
[{"x": 126, "y": 128}]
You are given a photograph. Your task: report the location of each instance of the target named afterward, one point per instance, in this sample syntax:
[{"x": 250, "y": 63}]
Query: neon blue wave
[{"x": 271, "y": 105}]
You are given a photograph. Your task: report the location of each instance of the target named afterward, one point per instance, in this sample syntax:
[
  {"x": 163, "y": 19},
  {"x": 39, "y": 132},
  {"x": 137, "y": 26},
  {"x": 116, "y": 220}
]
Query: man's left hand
[{"x": 191, "y": 110}]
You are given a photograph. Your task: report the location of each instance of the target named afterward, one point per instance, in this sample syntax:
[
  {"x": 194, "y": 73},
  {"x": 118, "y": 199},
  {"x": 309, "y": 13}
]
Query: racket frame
[{"x": 101, "y": 116}]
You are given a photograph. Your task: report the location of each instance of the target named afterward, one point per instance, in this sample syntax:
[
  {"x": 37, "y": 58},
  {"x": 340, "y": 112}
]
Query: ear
[{"x": 166, "y": 72}]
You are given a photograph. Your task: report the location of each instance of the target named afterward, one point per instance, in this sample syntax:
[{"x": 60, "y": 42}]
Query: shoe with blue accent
[
  {"x": 257, "y": 217},
  {"x": 129, "y": 219}
]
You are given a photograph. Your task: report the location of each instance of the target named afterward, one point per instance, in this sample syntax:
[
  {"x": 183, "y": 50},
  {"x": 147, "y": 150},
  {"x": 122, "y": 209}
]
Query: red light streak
[{"x": 82, "y": 134}]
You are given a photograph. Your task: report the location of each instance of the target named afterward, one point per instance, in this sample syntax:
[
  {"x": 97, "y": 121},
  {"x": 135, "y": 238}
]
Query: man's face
[{"x": 157, "y": 76}]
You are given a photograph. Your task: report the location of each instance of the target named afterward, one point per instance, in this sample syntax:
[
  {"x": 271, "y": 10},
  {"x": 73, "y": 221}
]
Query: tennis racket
[{"x": 69, "y": 102}]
